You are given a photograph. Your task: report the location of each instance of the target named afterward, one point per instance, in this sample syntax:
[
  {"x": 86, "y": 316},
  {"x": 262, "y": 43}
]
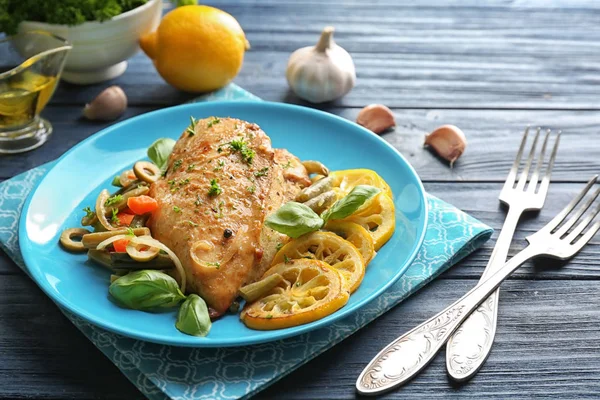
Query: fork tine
[
  {"x": 582, "y": 241},
  {"x": 512, "y": 174},
  {"x": 525, "y": 172},
  {"x": 550, "y": 226},
  {"x": 577, "y": 215},
  {"x": 546, "y": 179},
  {"x": 582, "y": 225},
  {"x": 533, "y": 182}
]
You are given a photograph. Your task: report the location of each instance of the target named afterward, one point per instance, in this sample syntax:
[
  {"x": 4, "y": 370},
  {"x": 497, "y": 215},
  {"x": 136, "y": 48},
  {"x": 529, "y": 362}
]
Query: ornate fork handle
[{"x": 407, "y": 355}]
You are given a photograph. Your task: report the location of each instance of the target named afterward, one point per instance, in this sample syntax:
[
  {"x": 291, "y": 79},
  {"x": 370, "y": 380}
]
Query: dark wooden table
[{"x": 489, "y": 68}]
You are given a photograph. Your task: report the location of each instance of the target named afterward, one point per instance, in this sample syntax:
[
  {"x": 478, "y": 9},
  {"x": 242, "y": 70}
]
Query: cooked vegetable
[
  {"x": 140, "y": 252},
  {"x": 193, "y": 317},
  {"x": 101, "y": 211},
  {"x": 355, "y": 234},
  {"x": 142, "y": 204},
  {"x": 322, "y": 202},
  {"x": 378, "y": 218},
  {"x": 120, "y": 245},
  {"x": 294, "y": 219},
  {"x": 127, "y": 178},
  {"x": 146, "y": 171},
  {"x": 348, "y": 204},
  {"x": 122, "y": 261},
  {"x": 117, "y": 202},
  {"x": 160, "y": 151},
  {"x": 146, "y": 290},
  {"x": 315, "y": 167},
  {"x": 149, "y": 241},
  {"x": 116, "y": 181},
  {"x": 125, "y": 218},
  {"x": 92, "y": 240},
  {"x": 315, "y": 189},
  {"x": 66, "y": 239},
  {"x": 347, "y": 179},
  {"x": 139, "y": 221},
  {"x": 256, "y": 290}
]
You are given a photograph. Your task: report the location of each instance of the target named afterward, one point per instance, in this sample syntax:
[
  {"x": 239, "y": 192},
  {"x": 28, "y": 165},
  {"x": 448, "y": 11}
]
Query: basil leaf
[
  {"x": 193, "y": 317},
  {"x": 146, "y": 290},
  {"x": 348, "y": 204},
  {"x": 294, "y": 219},
  {"x": 160, "y": 151}
]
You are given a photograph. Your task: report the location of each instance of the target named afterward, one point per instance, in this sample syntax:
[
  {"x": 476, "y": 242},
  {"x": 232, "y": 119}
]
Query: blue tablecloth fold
[{"x": 166, "y": 372}]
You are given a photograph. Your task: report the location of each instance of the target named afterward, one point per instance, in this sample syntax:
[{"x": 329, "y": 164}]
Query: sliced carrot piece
[
  {"x": 142, "y": 204},
  {"x": 125, "y": 219},
  {"x": 121, "y": 245}
]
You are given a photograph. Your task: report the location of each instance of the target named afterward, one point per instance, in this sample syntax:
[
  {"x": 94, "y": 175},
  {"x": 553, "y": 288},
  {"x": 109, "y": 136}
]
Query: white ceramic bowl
[{"x": 101, "y": 48}]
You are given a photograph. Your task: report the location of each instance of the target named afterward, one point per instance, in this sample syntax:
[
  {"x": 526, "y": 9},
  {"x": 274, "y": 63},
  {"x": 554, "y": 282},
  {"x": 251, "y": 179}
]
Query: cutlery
[
  {"x": 407, "y": 355},
  {"x": 468, "y": 348}
]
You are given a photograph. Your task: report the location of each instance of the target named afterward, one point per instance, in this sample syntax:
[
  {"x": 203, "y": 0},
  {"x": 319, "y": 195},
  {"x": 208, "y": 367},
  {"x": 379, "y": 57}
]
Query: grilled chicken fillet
[{"x": 221, "y": 183}]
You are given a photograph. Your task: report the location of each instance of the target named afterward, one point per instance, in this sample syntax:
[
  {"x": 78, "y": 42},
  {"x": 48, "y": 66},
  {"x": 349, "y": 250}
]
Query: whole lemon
[{"x": 197, "y": 48}]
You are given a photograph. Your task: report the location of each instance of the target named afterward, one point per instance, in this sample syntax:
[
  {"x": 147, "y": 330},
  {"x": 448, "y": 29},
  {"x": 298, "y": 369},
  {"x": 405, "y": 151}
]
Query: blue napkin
[{"x": 166, "y": 372}]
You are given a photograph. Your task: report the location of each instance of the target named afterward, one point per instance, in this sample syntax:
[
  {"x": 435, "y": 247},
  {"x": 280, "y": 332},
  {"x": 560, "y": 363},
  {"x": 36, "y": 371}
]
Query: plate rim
[{"x": 193, "y": 341}]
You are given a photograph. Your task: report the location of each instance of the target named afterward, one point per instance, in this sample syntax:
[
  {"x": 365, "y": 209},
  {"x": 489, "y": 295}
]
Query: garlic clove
[
  {"x": 107, "y": 106},
  {"x": 448, "y": 141},
  {"x": 376, "y": 117}
]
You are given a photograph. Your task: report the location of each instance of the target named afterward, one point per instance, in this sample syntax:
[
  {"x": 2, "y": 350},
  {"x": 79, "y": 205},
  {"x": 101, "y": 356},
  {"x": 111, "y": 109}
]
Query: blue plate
[{"x": 80, "y": 174}]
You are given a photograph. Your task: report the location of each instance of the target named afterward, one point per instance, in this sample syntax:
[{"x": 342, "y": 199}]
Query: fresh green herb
[
  {"x": 146, "y": 290},
  {"x": 219, "y": 149},
  {"x": 198, "y": 200},
  {"x": 246, "y": 152},
  {"x": 114, "y": 219},
  {"x": 214, "y": 264},
  {"x": 279, "y": 246},
  {"x": 184, "y": 181},
  {"x": 113, "y": 200},
  {"x": 190, "y": 129},
  {"x": 89, "y": 213},
  {"x": 192, "y": 224},
  {"x": 116, "y": 181},
  {"x": 176, "y": 209},
  {"x": 297, "y": 284},
  {"x": 214, "y": 121},
  {"x": 219, "y": 210},
  {"x": 177, "y": 164},
  {"x": 214, "y": 189},
  {"x": 193, "y": 318},
  {"x": 294, "y": 219},
  {"x": 220, "y": 166},
  {"x": 269, "y": 316},
  {"x": 251, "y": 189},
  {"x": 286, "y": 259},
  {"x": 262, "y": 172},
  {"x": 130, "y": 232},
  {"x": 287, "y": 165},
  {"x": 191, "y": 167},
  {"x": 160, "y": 151},
  {"x": 348, "y": 204},
  {"x": 171, "y": 182}
]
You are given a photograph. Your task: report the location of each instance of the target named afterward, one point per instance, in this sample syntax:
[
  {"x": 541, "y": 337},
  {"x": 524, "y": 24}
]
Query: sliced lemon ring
[
  {"x": 355, "y": 234},
  {"x": 330, "y": 248},
  {"x": 347, "y": 179},
  {"x": 378, "y": 217},
  {"x": 310, "y": 290}
]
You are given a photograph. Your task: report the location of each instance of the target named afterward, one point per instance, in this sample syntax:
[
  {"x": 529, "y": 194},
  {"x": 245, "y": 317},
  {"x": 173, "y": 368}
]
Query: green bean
[
  {"x": 139, "y": 221},
  {"x": 92, "y": 240},
  {"x": 322, "y": 202},
  {"x": 315, "y": 167},
  {"x": 121, "y": 262},
  {"x": 315, "y": 189}
]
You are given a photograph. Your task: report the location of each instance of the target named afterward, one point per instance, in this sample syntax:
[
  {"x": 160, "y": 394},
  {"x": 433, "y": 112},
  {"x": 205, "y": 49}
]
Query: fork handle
[
  {"x": 410, "y": 353},
  {"x": 468, "y": 347}
]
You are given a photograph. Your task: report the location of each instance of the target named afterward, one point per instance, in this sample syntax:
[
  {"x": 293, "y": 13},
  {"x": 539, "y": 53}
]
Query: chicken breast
[{"x": 221, "y": 183}]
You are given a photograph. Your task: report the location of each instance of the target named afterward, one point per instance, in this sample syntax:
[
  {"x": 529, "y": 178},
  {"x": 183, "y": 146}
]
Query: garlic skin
[
  {"x": 448, "y": 141},
  {"x": 376, "y": 117},
  {"x": 323, "y": 72},
  {"x": 107, "y": 106}
]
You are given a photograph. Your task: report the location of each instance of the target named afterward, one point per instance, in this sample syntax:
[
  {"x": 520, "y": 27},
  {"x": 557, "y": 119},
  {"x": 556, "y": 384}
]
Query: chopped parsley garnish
[
  {"x": 246, "y": 152},
  {"x": 220, "y": 167},
  {"x": 114, "y": 219},
  {"x": 198, "y": 200},
  {"x": 89, "y": 213},
  {"x": 287, "y": 165},
  {"x": 177, "y": 164},
  {"x": 251, "y": 189},
  {"x": 215, "y": 264},
  {"x": 190, "y": 129},
  {"x": 215, "y": 189},
  {"x": 286, "y": 259},
  {"x": 176, "y": 209},
  {"x": 191, "y": 167},
  {"x": 262, "y": 172},
  {"x": 220, "y": 149},
  {"x": 184, "y": 182},
  {"x": 269, "y": 316},
  {"x": 279, "y": 246},
  {"x": 214, "y": 121},
  {"x": 171, "y": 182},
  {"x": 130, "y": 232},
  {"x": 218, "y": 210},
  {"x": 114, "y": 199},
  {"x": 192, "y": 223}
]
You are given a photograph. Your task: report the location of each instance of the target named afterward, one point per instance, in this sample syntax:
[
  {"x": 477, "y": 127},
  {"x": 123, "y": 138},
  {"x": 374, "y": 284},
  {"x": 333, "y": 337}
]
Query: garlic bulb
[{"x": 323, "y": 72}]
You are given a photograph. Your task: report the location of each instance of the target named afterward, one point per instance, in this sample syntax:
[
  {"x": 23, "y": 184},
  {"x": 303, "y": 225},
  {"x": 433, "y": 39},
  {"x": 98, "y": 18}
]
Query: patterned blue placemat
[{"x": 166, "y": 372}]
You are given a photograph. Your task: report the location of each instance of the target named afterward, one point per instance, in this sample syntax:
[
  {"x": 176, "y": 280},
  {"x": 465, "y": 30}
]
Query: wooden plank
[
  {"x": 534, "y": 353},
  {"x": 493, "y": 138}
]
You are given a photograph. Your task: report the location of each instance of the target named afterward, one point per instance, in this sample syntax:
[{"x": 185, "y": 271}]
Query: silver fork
[
  {"x": 468, "y": 348},
  {"x": 411, "y": 352}
]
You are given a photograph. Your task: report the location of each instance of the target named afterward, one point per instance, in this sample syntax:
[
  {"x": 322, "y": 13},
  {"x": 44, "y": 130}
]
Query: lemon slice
[
  {"x": 355, "y": 234},
  {"x": 330, "y": 248},
  {"x": 378, "y": 217},
  {"x": 347, "y": 179},
  {"x": 311, "y": 290}
]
